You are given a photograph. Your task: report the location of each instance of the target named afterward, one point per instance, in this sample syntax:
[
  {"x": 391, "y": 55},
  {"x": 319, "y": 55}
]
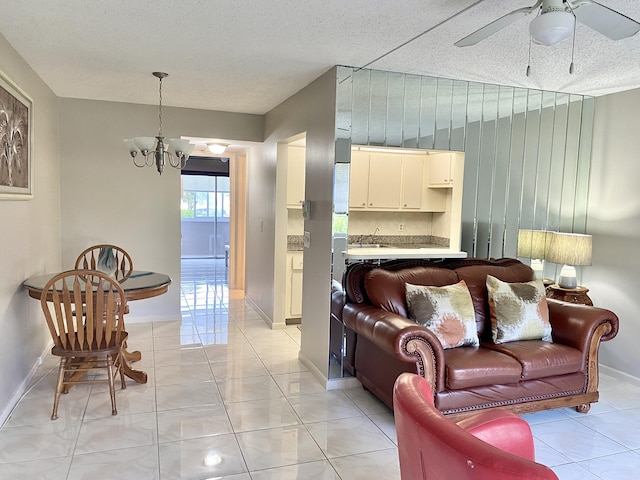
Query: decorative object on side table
[
  {"x": 533, "y": 244},
  {"x": 571, "y": 250}
]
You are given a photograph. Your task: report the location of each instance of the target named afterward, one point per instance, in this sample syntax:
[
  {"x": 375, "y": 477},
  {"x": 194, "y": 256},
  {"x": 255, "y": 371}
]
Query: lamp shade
[
  {"x": 552, "y": 27},
  {"x": 533, "y": 243},
  {"x": 569, "y": 249}
]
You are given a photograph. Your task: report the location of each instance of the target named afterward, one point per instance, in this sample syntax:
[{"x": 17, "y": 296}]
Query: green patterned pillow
[
  {"x": 519, "y": 311},
  {"x": 446, "y": 311}
]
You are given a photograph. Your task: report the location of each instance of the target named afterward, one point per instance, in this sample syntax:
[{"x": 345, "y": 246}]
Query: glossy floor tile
[{"x": 227, "y": 398}]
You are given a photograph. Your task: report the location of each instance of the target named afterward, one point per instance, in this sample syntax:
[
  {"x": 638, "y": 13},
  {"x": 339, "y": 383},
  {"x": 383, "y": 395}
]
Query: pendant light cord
[{"x": 160, "y": 109}]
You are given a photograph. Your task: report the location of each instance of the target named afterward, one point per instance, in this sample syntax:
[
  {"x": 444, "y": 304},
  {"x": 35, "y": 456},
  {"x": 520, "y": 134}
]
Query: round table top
[{"x": 138, "y": 286}]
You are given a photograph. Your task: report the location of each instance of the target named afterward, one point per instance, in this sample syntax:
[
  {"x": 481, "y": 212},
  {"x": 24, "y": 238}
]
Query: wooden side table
[{"x": 570, "y": 295}]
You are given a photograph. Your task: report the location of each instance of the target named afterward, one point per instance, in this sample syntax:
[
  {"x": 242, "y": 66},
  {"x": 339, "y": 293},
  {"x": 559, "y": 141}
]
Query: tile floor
[{"x": 228, "y": 399}]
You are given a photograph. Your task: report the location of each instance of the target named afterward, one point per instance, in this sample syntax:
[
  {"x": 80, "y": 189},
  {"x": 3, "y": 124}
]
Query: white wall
[
  {"x": 30, "y": 240},
  {"x": 311, "y": 110},
  {"x": 106, "y": 199},
  {"x": 614, "y": 222}
]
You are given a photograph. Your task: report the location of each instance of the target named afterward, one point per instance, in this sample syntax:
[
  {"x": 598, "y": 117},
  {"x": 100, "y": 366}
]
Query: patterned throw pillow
[
  {"x": 519, "y": 311},
  {"x": 446, "y": 311}
]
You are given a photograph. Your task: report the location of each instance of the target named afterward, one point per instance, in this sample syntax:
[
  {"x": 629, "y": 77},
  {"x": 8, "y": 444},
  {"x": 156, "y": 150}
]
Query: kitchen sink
[{"x": 365, "y": 245}]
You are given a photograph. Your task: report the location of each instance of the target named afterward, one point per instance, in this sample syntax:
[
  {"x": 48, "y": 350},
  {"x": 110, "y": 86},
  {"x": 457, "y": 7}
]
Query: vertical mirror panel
[
  {"x": 500, "y": 239},
  {"x": 378, "y": 108},
  {"x": 459, "y": 103},
  {"x": 444, "y": 103},
  {"x": 395, "y": 109},
  {"x": 428, "y": 97},
  {"x": 527, "y": 155},
  {"x": 411, "y": 122}
]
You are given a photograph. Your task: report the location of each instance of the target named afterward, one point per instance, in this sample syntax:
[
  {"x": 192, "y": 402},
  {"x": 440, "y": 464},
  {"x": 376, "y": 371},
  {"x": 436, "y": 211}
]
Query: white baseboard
[
  {"x": 619, "y": 375},
  {"x": 22, "y": 388},
  {"x": 269, "y": 321}
]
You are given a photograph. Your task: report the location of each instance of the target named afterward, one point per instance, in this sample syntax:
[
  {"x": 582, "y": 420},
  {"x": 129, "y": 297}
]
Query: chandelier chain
[{"x": 160, "y": 109}]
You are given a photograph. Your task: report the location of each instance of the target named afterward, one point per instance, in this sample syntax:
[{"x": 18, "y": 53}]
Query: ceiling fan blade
[
  {"x": 602, "y": 19},
  {"x": 496, "y": 26}
]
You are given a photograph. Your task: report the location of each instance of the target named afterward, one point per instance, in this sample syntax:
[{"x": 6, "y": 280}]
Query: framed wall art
[{"x": 16, "y": 169}]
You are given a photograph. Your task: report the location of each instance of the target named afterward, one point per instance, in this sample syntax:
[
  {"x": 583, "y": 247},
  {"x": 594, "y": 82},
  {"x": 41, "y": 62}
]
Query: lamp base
[{"x": 567, "y": 278}]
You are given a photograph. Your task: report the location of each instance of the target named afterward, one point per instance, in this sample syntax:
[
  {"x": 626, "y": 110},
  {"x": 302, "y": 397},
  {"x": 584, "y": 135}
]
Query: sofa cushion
[
  {"x": 447, "y": 311},
  {"x": 519, "y": 311},
  {"x": 387, "y": 291},
  {"x": 469, "y": 367},
  {"x": 476, "y": 278},
  {"x": 541, "y": 359}
]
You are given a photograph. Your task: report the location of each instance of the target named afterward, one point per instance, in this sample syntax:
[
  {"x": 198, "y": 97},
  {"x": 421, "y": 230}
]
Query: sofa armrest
[
  {"x": 575, "y": 325},
  {"x": 400, "y": 337}
]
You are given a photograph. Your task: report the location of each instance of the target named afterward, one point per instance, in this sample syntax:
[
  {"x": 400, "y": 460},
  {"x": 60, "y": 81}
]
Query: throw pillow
[
  {"x": 519, "y": 311},
  {"x": 446, "y": 311}
]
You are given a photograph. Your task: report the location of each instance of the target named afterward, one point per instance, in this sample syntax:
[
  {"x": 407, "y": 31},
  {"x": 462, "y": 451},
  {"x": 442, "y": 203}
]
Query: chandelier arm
[{"x": 144, "y": 161}]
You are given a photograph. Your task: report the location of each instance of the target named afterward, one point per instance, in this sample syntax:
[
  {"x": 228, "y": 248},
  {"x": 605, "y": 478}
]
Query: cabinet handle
[{"x": 364, "y": 204}]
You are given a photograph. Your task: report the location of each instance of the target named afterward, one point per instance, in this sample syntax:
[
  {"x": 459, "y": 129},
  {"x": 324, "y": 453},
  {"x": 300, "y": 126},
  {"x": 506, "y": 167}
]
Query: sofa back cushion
[
  {"x": 386, "y": 289},
  {"x": 475, "y": 276}
]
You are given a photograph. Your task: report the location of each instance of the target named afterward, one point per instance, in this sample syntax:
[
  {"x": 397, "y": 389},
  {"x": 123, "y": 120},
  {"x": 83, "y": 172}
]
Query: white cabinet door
[
  {"x": 412, "y": 182},
  {"x": 440, "y": 170},
  {"x": 295, "y": 285},
  {"x": 295, "y": 177},
  {"x": 359, "y": 180},
  {"x": 385, "y": 180}
]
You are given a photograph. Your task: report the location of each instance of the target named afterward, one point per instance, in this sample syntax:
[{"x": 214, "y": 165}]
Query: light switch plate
[{"x": 307, "y": 239}]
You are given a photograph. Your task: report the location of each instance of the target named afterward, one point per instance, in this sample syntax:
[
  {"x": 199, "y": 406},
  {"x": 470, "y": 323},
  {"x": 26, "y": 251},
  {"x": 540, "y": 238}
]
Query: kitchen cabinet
[
  {"x": 412, "y": 182},
  {"x": 295, "y": 176},
  {"x": 385, "y": 181},
  {"x": 359, "y": 180},
  {"x": 293, "y": 300},
  {"x": 391, "y": 182},
  {"x": 441, "y": 170}
]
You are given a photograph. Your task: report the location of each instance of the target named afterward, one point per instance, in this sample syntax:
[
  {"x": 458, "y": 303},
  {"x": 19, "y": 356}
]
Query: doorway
[{"x": 205, "y": 211}]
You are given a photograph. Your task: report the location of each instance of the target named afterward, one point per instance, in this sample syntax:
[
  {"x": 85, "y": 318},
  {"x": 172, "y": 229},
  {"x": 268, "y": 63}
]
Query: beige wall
[
  {"x": 614, "y": 222},
  {"x": 30, "y": 240},
  {"x": 106, "y": 199},
  {"x": 312, "y": 110}
]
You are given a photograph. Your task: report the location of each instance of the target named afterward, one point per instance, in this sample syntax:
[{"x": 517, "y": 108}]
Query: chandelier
[{"x": 154, "y": 150}]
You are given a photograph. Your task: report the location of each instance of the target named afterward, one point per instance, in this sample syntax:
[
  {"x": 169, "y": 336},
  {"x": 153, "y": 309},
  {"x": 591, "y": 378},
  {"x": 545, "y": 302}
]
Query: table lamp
[
  {"x": 571, "y": 250},
  {"x": 534, "y": 244}
]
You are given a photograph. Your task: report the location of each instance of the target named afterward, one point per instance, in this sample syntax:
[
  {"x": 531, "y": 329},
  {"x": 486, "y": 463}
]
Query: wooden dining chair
[
  {"x": 88, "y": 341},
  {"x": 89, "y": 260}
]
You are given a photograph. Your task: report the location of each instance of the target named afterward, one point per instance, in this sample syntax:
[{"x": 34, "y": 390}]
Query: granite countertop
[{"x": 384, "y": 252}]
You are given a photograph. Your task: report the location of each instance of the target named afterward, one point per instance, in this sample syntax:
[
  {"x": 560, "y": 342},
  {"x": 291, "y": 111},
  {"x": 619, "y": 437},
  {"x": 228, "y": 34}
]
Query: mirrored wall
[{"x": 527, "y": 152}]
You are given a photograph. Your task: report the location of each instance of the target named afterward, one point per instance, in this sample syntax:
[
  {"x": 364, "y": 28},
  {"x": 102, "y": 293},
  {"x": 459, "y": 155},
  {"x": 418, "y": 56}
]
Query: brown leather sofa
[{"x": 523, "y": 376}]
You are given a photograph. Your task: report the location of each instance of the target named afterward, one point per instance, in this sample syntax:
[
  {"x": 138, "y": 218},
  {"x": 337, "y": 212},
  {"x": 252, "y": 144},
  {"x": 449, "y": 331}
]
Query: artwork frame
[{"x": 16, "y": 140}]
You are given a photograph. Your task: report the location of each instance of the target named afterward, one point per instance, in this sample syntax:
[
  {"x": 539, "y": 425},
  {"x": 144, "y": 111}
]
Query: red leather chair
[{"x": 490, "y": 445}]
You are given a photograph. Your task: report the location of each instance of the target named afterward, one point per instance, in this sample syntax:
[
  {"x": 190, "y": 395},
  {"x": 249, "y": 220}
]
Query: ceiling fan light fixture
[{"x": 552, "y": 27}]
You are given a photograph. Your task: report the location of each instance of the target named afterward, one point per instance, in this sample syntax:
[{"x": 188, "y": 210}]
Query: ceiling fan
[{"x": 556, "y": 19}]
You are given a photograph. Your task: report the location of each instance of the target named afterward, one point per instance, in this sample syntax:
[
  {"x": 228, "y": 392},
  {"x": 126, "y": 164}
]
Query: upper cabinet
[
  {"x": 382, "y": 181},
  {"x": 385, "y": 180},
  {"x": 441, "y": 170},
  {"x": 295, "y": 176},
  {"x": 359, "y": 180},
  {"x": 412, "y": 182}
]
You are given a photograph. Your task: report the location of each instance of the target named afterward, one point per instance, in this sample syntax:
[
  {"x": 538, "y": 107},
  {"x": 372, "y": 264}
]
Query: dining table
[{"x": 139, "y": 285}]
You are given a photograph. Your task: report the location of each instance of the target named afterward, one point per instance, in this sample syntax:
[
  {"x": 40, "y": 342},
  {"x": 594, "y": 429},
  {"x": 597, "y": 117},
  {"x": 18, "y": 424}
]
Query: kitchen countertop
[{"x": 379, "y": 253}]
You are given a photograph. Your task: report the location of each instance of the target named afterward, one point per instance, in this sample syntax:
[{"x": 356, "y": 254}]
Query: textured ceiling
[{"x": 248, "y": 56}]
